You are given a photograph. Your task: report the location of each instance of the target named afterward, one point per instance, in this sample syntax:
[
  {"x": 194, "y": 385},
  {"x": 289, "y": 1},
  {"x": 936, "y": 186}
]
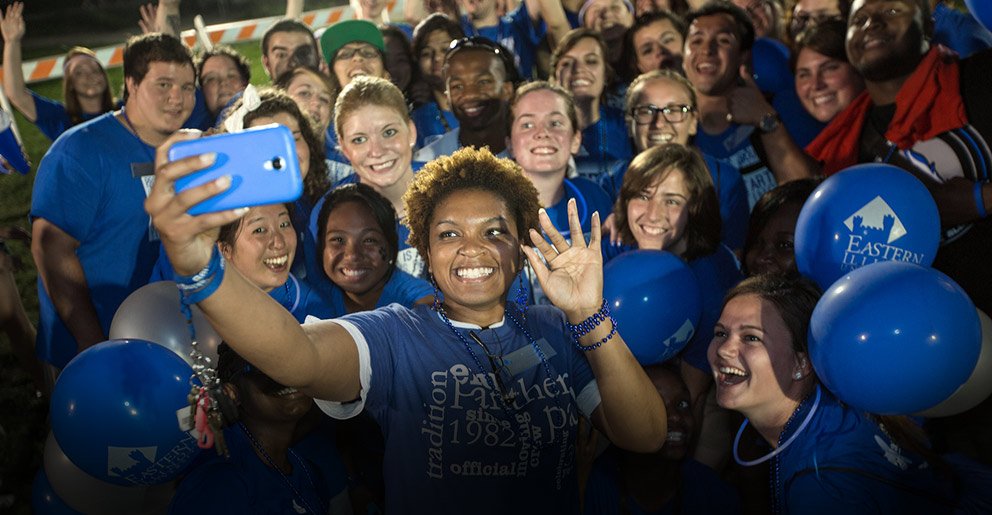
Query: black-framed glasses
[
  {"x": 499, "y": 368},
  {"x": 673, "y": 113},
  {"x": 366, "y": 51}
]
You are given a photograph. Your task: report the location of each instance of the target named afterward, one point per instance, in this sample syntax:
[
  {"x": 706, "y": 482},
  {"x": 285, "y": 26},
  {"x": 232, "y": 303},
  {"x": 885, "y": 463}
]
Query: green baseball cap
[{"x": 350, "y": 31}]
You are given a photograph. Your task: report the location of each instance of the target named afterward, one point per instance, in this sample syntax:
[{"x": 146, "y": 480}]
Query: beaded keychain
[{"x": 210, "y": 409}]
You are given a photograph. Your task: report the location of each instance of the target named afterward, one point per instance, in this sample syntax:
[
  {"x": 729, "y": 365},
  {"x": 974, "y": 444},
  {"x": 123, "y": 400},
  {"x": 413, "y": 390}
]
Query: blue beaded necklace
[{"x": 489, "y": 380}]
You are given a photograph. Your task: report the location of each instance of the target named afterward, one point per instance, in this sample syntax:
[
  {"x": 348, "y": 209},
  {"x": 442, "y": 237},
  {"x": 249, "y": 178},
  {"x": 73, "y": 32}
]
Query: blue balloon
[
  {"x": 655, "y": 299},
  {"x": 44, "y": 500},
  {"x": 865, "y": 214},
  {"x": 114, "y": 412},
  {"x": 894, "y": 338},
  {"x": 770, "y": 65},
  {"x": 982, "y": 11}
]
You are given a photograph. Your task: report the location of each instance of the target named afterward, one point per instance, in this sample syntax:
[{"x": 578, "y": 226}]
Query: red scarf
[{"x": 929, "y": 103}]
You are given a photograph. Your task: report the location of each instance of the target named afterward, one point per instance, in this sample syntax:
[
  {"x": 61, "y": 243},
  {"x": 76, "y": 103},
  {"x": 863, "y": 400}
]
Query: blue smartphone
[{"x": 261, "y": 161}]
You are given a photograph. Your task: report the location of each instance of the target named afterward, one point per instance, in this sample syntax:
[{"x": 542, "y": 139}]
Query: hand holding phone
[{"x": 261, "y": 161}]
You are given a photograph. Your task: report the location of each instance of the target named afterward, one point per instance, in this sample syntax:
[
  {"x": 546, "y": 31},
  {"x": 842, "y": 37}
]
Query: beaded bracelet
[
  {"x": 197, "y": 287},
  {"x": 979, "y": 200},
  {"x": 608, "y": 337},
  {"x": 588, "y": 325}
]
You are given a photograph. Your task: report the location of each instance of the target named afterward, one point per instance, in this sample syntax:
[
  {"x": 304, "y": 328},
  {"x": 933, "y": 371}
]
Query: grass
[{"x": 22, "y": 414}]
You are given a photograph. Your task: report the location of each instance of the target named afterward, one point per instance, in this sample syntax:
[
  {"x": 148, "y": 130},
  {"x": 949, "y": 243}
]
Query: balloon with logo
[
  {"x": 654, "y": 297},
  {"x": 978, "y": 387},
  {"x": 115, "y": 412},
  {"x": 865, "y": 214},
  {"x": 770, "y": 66},
  {"x": 894, "y": 338},
  {"x": 152, "y": 313},
  {"x": 982, "y": 11},
  {"x": 89, "y": 495}
]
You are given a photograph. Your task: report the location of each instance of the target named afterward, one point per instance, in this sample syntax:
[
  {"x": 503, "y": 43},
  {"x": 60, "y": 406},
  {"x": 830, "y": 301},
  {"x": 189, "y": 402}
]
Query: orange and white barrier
[{"x": 234, "y": 32}]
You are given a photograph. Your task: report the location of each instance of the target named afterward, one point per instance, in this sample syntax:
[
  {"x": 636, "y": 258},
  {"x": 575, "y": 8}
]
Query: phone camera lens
[{"x": 277, "y": 163}]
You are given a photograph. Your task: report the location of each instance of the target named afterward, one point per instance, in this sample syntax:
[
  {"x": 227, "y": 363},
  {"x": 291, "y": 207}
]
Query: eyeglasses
[
  {"x": 367, "y": 52},
  {"x": 673, "y": 113},
  {"x": 499, "y": 368}
]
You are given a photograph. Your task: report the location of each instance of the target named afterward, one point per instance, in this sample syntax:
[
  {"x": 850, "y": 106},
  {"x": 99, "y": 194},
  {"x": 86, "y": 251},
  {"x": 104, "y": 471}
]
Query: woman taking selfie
[{"x": 469, "y": 380}]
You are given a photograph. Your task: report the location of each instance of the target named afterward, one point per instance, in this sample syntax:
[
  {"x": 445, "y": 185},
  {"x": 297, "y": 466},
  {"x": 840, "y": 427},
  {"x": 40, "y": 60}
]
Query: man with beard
[
  {"x": 925, "y": 111},
  {"x": 478, "y": 77},
  {"x": 92, "y": 240},
  {"x": 736, "y": 122}
]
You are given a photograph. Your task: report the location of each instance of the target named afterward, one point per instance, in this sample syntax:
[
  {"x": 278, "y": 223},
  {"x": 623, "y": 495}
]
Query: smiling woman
[
  {"x": 826, "y": 454},
  {"x": 427, "y": 376}
]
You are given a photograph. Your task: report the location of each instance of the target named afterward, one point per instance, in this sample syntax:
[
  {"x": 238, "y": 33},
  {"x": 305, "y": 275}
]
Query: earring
[{"x": 798, "y": 375}]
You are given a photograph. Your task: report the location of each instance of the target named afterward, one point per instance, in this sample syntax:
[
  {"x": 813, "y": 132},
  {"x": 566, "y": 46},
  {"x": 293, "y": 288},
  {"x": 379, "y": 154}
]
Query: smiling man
[
  {"x": 480, "y": 89},
  {"x": 736, "y": 123},
  {"x": 92, "y": 240},
  {"x": 925, "y": 111}
]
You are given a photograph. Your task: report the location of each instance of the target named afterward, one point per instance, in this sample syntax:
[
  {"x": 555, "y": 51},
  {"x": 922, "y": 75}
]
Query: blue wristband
[{"x": 979, "y": 200}]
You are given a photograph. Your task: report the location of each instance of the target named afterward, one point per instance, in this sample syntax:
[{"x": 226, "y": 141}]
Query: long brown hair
[{"x": 72, "y": 107}]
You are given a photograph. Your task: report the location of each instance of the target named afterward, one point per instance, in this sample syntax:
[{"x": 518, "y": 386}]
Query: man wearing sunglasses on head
[{"x": 479, "y": 79}]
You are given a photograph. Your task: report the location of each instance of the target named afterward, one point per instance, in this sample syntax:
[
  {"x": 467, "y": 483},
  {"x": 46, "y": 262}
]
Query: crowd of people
[{"x": 424, "y": 329}]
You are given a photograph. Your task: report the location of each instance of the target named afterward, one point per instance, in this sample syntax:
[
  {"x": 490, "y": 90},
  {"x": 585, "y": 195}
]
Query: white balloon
[
  {"x": 978, "y": 386},
  {"x": 152, "y": 313},
  {"x": 89, "y": 495}
]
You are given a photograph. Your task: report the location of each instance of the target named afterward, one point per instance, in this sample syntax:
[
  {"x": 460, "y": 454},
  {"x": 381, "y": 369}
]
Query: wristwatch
[{"x": 769, "y": 122}]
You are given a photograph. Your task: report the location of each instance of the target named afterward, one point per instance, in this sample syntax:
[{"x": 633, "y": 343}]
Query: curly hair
[
  {"x": 702, "y": 230},
  {"x": 468, "y": 169},
  {"x": 275, "y": 101}
]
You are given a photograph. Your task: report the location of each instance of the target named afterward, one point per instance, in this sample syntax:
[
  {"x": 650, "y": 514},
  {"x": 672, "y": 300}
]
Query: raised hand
[
  {"x": 573, "y": 276},
  {"x": 12, "y": 22},
  {"x": 147, "y": 21},
  {"x": 188, "y": 240}
]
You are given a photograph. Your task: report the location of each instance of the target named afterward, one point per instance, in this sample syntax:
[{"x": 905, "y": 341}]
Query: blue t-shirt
[
  {"x": 449, "y": 439},
  {"x": 740, "y": 147},
  {"x": 730, "y": 191},
  {"x": 85, "y": 187},
  {"x": 244, "y": 483},
  {"x": 700, "y": 490},
  {"x": 299, "y": 299},
  {"x": 401, "y": 288},
  {"x": 432, "y": 123},
  {"x": 604, "y": 142},
  {"x": 877, "y": 477},
  {"x": 52, "y": 118},
  {"x": 517, "y": 33}
]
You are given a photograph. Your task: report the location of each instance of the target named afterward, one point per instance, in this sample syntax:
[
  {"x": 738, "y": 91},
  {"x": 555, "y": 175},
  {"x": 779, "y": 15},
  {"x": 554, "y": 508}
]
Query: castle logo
[{"x": 873, "y": 229}]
